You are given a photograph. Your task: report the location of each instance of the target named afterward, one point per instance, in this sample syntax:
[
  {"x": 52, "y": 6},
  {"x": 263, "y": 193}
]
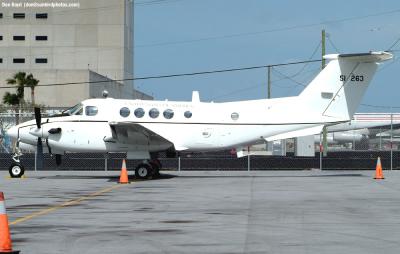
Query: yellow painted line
[{"x": 65, "y": 204}]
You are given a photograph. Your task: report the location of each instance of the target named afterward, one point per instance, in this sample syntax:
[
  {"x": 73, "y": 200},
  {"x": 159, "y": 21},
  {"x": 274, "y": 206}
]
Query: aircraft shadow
[{"x": 109, "y": 178}]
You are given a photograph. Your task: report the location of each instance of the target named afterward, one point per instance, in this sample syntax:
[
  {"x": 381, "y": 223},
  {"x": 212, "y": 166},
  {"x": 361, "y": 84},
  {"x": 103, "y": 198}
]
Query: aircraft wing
[
  {"x": 134, "y": 133},
  {"x": 299, "y": 133}
]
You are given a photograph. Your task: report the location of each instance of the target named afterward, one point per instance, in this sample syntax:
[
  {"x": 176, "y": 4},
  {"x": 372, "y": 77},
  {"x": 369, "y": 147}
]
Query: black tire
[
  {"x": 143, "y": 171},
  {"x": 16, "y": 170},
  {"x": 156, "y": 165}
]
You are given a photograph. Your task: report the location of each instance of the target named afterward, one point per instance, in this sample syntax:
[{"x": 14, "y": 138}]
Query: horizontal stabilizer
[
  {"x": 371, "y": 57},
  {"x": 299, "y": 133}
]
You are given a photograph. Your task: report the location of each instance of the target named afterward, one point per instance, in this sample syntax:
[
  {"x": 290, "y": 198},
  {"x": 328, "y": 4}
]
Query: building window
[
  {"x": 124, "y": 112},
  {"x": 19, "y": 38},
  {"x": 41, "y": 37},
  {"x": 19, "y": 60},
  {"x": 41, "y": 60},
  {"x": 41, "y": 15},
  {"x": 1, "y": 37},
  {"x": 1, "y": 60},
  {"x": 168, "y": 113},
  {"x": 19, "y": 15},
  {"x": 139, "y": 112},
  {"x": 1, "y": 15},
  {"x": 188, "y": 114},
  {"x": 154, "y": 113}
]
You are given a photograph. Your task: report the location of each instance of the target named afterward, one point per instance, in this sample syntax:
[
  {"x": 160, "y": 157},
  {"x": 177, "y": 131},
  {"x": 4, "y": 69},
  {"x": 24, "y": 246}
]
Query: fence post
[
  {"x": 248, "y": 158},
  {"x": 320, "y": 151},
  {"x": 105, "y": 161},
  {"x": 391, "y": 139},
  {"x": 35, "y": 160},
  {"x": 179, "y": 162}
]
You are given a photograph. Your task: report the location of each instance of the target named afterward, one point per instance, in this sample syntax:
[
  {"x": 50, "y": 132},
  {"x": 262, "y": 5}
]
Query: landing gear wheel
[
  {"x": 16, "y": 170},
  {"x": 156, "y": 165},
  {"x": 143, "y": 171}
]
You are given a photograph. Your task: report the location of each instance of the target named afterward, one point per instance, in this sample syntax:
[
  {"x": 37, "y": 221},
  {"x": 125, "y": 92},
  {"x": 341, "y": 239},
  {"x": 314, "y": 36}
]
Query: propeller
[
  {"x": 40, "y": 135},
  {"x": 39, "y": 145},
  {"x": 38, "y": 117},
  {"x": 39, "y": 154}
]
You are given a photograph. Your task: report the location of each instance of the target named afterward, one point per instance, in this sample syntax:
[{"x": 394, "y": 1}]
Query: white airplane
[{"x": 144, "y": 128}]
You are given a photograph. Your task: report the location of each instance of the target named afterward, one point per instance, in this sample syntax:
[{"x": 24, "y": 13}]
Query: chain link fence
[{"x": 356, "y": 150}]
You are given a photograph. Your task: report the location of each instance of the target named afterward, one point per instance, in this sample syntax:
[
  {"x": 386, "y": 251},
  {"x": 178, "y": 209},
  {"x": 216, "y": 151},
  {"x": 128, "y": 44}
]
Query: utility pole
[
  {"x": 323, "y": 36},
  {"x": 324, "y": 131},
  {"x": 269, "y": 82}
]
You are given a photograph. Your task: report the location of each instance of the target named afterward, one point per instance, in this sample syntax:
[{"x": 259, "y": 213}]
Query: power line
[
  {"x": 260, "y": 85},
  {"x": 176, "y": 75},
  {"x": 311, "y": 57},
  {"x": 269, "y": 30},
  {"x": 289, "y": 78},
  {"x": 394, "y": 44},
  {"x": 155, "y": 2},
  {"x": 333, "y": 45},
  {"x": 379, "y": 106}
]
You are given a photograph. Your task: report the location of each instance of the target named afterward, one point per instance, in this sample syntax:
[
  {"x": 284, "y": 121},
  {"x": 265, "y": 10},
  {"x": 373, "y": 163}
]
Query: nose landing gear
[{"x": 16, "y": 169}]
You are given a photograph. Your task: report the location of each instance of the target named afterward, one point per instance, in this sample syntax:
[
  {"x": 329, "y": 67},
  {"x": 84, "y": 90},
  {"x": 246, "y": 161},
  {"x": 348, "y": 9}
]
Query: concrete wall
[
  {"x": 60, "y": 96},
  {"x": 97, "y": 36}
]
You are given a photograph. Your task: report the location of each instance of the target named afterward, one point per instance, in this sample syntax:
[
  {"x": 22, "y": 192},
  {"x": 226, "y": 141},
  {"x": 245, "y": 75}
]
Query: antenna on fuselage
[{"x": 195, "y": 96}]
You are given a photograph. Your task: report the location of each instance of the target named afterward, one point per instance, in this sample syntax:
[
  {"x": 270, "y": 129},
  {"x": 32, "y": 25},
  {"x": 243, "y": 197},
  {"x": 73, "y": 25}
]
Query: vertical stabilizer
[{"x": 338, "y": 89}]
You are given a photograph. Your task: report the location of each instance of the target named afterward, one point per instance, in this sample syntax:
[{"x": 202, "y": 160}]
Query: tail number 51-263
[{"x": 357, "y": 78}]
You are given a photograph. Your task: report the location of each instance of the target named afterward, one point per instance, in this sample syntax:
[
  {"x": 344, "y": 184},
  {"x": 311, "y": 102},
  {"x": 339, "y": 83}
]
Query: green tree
[
  {"x": 16, "y": 100},
  {"x": 31, "y": 82},
  {"x": 13, "y": 100}
]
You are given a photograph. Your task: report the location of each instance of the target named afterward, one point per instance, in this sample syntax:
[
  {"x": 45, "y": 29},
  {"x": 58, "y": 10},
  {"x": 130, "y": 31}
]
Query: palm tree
[
  {"x": 13, "y": 100},
  {"x": 19, "y": 79},
  {"x": 31, "y": 82}
]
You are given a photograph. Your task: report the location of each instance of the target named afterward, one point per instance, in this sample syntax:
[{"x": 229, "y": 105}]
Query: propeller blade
[
  {"x": 58, "y": 159},
  {"x": 38, "y": 117},
  {"x": 48, "y": 146},
  {"x": 39, "y": 154}
]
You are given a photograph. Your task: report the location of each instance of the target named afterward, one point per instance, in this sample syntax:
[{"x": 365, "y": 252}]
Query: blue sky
[{"x": 182, "y": 36}]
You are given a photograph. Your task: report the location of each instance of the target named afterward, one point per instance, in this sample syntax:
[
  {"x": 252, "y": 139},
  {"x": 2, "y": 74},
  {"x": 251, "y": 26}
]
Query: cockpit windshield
[{"x": 75, "y": 110}]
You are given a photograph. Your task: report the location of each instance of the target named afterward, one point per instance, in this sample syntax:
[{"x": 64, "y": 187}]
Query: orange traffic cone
[
  {"x": 378, "y": 171},
  {"x": 123, "y": 178},
  {"x": 5, "y": 239}
]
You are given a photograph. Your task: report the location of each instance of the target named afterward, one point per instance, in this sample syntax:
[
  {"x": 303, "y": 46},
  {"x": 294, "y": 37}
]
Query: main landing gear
[{"x": 148, "y": 169}]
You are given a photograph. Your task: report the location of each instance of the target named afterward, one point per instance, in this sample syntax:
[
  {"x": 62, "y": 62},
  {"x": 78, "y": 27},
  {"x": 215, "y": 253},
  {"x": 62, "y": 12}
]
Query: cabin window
[
  {"x": 154, "y": 113},
  {"x": 188, "y": 114},
  {"x": 91, "y": 110},
  {"x": 139, "y": 112},
  {"x": 168, "y": 113},
  {"x": 124, "y": 112},
  {"x": 235, "y": 116}
]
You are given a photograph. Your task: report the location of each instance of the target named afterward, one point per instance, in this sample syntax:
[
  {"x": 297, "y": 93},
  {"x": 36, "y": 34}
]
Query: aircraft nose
[{"x": 12, "y": 132}]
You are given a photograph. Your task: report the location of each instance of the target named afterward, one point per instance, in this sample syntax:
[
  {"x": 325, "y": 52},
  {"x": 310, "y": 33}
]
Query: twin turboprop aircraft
[{"x": 142, "y": 129}]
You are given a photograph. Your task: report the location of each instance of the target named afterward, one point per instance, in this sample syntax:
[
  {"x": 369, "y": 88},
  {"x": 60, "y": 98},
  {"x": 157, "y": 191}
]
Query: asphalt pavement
[{"x": 205, "y": 212}]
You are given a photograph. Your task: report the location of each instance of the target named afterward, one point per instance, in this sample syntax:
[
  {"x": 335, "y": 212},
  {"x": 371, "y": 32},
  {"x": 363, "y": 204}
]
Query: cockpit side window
[
  {"x": 75, "y": 110},
  {"x": 91, "y": 110}
]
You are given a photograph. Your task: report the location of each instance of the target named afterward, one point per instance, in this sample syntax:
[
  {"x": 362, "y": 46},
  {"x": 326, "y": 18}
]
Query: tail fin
[{"x": 338, "y": 89}]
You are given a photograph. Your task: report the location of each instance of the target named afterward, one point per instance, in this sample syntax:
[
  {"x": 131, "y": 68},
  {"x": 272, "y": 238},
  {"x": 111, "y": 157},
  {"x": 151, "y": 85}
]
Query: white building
[{"x": 81, "y": 41}]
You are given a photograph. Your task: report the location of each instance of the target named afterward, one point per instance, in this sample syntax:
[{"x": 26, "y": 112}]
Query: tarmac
[{"x": 205, "y": 212}]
